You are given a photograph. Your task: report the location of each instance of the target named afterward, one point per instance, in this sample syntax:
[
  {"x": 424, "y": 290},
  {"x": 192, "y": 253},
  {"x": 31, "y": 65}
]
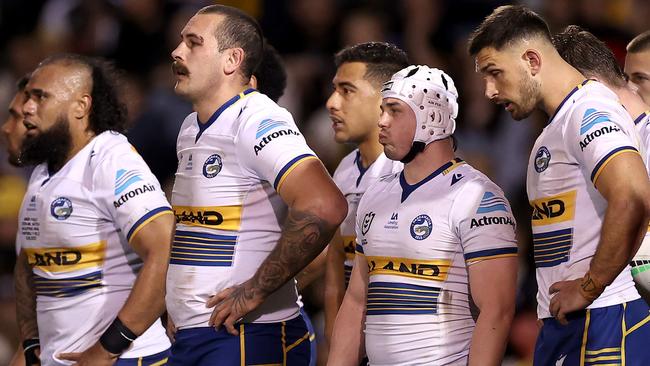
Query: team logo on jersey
[
  {"x": 367, "y": 221},
  {"x": 61, "y": 208},
  {"x": 421, "y": 227},
  {"x": 554, "y": 209},
  {"x": 542, "y": 158},
  {"x": 212, "y": 166},
  {"x": 268, "y": 125},
  {"x": 124, "y": 178},
  {"x": 591, "y": 118},
  {"x": 490, "y": 203}
]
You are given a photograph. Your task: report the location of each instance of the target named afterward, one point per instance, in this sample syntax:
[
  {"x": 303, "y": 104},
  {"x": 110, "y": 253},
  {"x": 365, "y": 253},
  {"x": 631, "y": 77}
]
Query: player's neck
[
  {"x": 433, "y": 157},
  {"x": 557, "y": 85},
  {"x": 631, "y": 101},
  {"x": 206, "y": 106},
  {"x": 369, "y": 150}
]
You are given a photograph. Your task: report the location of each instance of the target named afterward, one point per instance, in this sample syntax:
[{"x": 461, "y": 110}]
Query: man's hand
[
  {"x": 93, "y": 356},
  {"x": 567, "y": 299},
  {"x": 232, "y": 304}
]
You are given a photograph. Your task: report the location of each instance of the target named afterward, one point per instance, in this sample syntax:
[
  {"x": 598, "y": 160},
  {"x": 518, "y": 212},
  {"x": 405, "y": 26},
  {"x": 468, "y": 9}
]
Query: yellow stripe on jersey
[
  {"x": 349, "y": 245},
  {"x": 212, "y": 217},
  {"x": 608, "y": 158},
  {"x": 284, "y": 173},
  {"x": 455, "y": 164},
  {"x": 554, "y": 209},
  {"x": 55, "y": 260},
  {"x": 436, "y": 270}
]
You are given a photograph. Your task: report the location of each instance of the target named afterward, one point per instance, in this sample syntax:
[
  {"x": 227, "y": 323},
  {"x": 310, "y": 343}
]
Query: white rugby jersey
[
  {"x": 642, "y": 123},
  {"x": 74, "y": 228},
  {"x": 418, "y": 241},
  {"x": 353, "y": 180},
  {"x": 228, "y": 213},
  {"x": 589, "y": 128}
]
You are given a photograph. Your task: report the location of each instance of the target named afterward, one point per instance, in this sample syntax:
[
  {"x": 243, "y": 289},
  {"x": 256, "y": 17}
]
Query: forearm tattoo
[{"x": 304, "y": 236}]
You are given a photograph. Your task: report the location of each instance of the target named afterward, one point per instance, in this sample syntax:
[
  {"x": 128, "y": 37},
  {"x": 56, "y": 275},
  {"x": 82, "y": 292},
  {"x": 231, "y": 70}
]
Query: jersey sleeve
[
  {"x": 484, "y": 223},
  {"x": 129, "y": 192},
  {"x": 598, "y": 132},
  {"x": 271, "y": 148}
]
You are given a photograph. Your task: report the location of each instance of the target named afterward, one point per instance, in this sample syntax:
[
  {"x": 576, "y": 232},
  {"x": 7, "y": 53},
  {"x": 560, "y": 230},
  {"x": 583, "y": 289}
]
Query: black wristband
[
  {"x": 29, "y": 351},
  {"x": 117, "y": 338}
]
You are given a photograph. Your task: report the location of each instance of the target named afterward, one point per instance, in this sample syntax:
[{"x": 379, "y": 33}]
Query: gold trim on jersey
[
  {"x": 554, "y": 209},
  {"x": 66, "y": 259},
  {"x": 436, "y": 270},
  {"x": 212, "y": 217},
  {"x": 349, "y": 245}
]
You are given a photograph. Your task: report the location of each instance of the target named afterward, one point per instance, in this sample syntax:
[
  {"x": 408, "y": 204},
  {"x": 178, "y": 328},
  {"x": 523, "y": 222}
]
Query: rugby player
[{"x": 637, "y": 63}]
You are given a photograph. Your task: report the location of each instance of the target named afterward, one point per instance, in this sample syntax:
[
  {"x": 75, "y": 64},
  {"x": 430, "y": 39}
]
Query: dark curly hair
[
  {"x": 271, "y": 74},
  {"x": 107, "y": 111}
]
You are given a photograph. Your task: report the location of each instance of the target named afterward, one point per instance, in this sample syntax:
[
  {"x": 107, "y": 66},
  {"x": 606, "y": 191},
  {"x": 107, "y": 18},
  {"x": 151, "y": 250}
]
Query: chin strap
[{"x": 417, "y": 148}]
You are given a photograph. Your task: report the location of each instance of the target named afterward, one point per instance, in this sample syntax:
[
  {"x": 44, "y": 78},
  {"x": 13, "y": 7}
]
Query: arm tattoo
[
  {"x": 25, "y": 299},
  {"x": 304, "y": 236}
]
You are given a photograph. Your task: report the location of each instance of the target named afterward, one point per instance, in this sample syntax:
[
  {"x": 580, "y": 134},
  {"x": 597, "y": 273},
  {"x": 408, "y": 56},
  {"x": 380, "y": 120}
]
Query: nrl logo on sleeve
[
  {"x": 421, "y": 227},
  {"x": 542, "y": 158},
  {"x": 212, "y": 166},
  {"x": 61, "y": 208},
  {"x": 367, "y": 221}
]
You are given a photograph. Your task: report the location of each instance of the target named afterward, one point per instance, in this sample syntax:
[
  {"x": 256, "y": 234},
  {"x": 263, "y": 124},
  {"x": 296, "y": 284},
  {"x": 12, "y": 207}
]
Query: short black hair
[
  {"x": 589, "y": 55},
  {"x": 382, "y": 59},
  {"x": 238, "y": 29},
  {"x": 640, "y": 43},
  {"x": 107, "y": 110},
  {"x": 507, "y": 24},
  {"x": 22, "y": 82},
  {"x": 270, "y": 74}
]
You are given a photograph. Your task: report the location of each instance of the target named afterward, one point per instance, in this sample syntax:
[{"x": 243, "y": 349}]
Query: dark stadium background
[{"x": 140, "y": 34}]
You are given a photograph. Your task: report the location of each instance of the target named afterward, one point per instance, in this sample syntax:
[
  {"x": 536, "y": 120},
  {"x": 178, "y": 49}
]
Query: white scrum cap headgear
[{"x": 432, "y": 96}]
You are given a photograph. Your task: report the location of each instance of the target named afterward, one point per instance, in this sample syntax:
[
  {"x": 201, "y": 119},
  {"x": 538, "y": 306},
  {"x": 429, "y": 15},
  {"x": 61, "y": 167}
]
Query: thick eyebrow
[
  {"x": 193, "y": 36},
  {"x": 344, "y": 84},
  {"x": 37, "y": 92},
  {"x": 639, "y": 73},
  {"x": 14, "y": 112},
  {"x": 392, "y": 104},
  {"x": 484, "y": 68}
]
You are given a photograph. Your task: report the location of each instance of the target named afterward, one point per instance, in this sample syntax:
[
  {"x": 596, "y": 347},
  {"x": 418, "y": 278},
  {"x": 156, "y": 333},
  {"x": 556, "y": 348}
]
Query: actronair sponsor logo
[
  {"x": 591, "y": 118},
  {"x": 274, "y": 135},
  {"x": 132, "y": 193},
  {"x": 492, "y": 220},
  {"x": 599, "y": 132}
]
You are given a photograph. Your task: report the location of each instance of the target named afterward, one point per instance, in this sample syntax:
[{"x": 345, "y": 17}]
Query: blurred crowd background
[{"x": 138, "y": 35}]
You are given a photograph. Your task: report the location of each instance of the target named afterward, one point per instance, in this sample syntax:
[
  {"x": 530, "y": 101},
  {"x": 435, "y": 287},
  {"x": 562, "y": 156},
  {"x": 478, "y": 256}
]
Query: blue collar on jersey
[
  {"x": 550, "y": 120},
  {"x": 217, "y": 113},
  {"x": 407, "y": 189},
  {"x": 362, "y": 170},
  {"x": 641, "y": 117}
]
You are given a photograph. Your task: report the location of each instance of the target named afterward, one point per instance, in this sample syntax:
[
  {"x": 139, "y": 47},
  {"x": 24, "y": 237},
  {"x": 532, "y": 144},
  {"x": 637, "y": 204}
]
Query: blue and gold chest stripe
[
  {"x": 203, "y": 249},
  {"x": 395, "y": 298},
  {"x": 552, "y": 248},
  {"x": 67, "y": 287}
]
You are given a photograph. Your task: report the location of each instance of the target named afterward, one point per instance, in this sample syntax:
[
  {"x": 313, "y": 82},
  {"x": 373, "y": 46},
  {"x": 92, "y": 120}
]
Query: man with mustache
[
  {"x": 253, "y": 205},
  {"x": 588, "y": 187},
  {"x": 596, "y": 61},
  {"x": 94, "y": 226}
]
